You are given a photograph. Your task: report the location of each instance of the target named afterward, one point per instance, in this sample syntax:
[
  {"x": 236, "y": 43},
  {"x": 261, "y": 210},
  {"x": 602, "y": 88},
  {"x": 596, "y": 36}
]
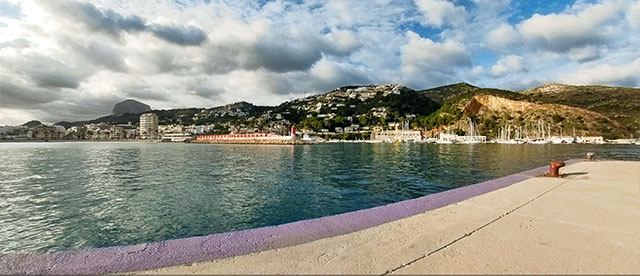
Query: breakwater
[
  {"x": 253, "y": 141},
  {"x": 254, "y": 138}
]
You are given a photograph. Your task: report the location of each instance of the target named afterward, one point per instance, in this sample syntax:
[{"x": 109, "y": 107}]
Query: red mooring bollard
[{"x": 554, "y": 168}]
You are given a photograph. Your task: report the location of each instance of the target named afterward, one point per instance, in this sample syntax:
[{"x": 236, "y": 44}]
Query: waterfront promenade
[{"x": 586, "y": 222}]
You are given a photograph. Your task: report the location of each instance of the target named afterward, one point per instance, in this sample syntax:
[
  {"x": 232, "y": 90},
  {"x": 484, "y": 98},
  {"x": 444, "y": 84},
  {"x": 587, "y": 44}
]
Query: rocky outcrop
[
  {"x": 130, "y": 107},
  {"x": 492, "y": 112}
]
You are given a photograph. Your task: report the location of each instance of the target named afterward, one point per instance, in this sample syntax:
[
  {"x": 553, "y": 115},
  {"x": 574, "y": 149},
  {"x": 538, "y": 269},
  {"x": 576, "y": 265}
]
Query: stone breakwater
[
  {"x": 250, "y": 138},
  {"x": 253, "y": 141}
]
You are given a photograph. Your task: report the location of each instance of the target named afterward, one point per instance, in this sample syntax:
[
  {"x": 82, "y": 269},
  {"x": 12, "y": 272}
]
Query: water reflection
[{"x": 56, "y": 196}]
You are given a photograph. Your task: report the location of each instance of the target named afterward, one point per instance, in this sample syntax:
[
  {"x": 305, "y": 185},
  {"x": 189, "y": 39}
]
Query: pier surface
[{"x": 586, "y": 222}]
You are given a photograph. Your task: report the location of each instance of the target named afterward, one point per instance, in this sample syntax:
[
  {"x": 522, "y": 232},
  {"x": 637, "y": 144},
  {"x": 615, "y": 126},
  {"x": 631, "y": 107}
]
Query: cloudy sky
[{"x": 73, "y": 59}]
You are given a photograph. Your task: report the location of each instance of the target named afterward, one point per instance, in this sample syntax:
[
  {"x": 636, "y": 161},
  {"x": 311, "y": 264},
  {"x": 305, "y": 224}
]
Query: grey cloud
[
  {"x": 108, "y": 21},
  {"x": 14, "y": 95},
  {"x": 48, "y": 72},
  {"x": 167, "y": 62},
  {"x": 631, "y": 81},
  {"x": 221, "y": 60},
  {"x": 327, "y": 75},
  {"x": 284, "y": 57},
  {"x": 19, "y": 43},
  {"x": 432, "y": 79},
  {"x": 52, "y": 78},
  {"x": 114, "y": 23},
  {"x": 346, "y": 78},
  {"x": 186, "y": 36},
  {"x": 106, "y": 56},
  {"x": 142, "y": 92},
  {"x": 205, "y": 90},
  {"x": 269, "y": 54},
  {"x": 72, "y": 109},
  {"x": 566, "y": 43},
  {"x": 97, "y": 53}
]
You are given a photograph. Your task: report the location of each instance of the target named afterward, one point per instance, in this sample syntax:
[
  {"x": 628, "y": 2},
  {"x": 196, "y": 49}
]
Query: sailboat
[
  {"x": 447, "y": 138},
  {"x": 472, "y": 137},
  {"x": 506, "y": 139},
  {"x": 540, "y": 139}
]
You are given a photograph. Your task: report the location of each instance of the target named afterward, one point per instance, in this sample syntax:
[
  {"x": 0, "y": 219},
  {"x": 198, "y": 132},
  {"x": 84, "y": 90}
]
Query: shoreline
[
  {"x": 581, "y": 223},
  {"x": 290, "y": 142},
  {"x": 174, "y": 252}
]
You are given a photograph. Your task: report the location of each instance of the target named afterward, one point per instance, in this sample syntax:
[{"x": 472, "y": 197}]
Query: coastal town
[
  {"x": 148, "y": 129},
  {"x": 453, "y": 114}
]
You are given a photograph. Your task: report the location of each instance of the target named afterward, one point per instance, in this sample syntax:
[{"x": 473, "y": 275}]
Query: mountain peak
[
  {"x": 548, "y": 88},
  {"x": 130, "y": 106},
  {"x": 32, "y": 123}
]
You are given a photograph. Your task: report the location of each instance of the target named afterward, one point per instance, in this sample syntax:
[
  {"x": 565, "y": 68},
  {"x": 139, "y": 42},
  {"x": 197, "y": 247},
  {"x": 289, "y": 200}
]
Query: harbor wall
[{"x": 254, "y": 138}]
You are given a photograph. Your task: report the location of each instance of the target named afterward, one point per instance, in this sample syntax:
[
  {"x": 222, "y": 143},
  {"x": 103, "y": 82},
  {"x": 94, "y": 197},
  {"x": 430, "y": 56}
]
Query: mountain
[
  {"x": 65, "y": 124},
  {"x": 130, "y": 107},
  {"x": 33, "y": 123},
  {"x": 588, "y": 110},
  {"x": 621, "y": 104},
  {"x": 613, "y": 112}
]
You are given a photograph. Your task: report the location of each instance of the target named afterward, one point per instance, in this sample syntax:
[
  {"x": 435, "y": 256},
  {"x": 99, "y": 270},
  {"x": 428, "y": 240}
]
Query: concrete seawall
[
  {"x": 406, "y": 235},
  {"x": 254, "y": 141}
]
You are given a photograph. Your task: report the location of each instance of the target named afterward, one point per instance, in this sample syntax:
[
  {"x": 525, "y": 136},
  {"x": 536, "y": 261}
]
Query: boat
[
  {"x": 447, "y": 138},
  {"x": 539, "y": 141},
  {"x": 471, "y": 136},
  {"x": 176, "y": 137},
  {"x": 505, "y": 136}
]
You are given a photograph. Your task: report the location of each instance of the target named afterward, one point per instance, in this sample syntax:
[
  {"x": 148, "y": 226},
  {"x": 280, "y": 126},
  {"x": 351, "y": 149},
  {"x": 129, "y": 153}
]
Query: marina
[{"x": 309, "y": 137}]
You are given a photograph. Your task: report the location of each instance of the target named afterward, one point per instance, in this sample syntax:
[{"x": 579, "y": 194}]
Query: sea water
[{"x": 56, "y": 196}]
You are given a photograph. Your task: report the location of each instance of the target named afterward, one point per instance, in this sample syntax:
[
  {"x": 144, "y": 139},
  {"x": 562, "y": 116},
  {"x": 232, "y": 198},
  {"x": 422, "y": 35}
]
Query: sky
[{"x": 73, "y": 60}]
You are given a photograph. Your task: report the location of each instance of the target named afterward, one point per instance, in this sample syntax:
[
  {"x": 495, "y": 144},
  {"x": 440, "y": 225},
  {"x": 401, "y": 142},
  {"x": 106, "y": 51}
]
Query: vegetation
[{"x": 613, "y": 112}]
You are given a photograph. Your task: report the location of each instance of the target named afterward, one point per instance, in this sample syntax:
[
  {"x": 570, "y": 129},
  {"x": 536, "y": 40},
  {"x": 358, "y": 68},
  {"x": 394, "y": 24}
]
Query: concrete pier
[{"x": 586, "y": 222}]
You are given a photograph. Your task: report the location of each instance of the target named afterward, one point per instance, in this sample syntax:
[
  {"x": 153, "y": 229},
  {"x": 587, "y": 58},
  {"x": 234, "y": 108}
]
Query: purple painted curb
[{"x": 217, "y": 246}]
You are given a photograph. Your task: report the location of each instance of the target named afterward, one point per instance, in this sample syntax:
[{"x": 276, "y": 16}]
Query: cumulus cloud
[
  {"x": 623, "y": 75},
  {"x": 503, "y": 36},
  {"x": 563, "y": 32},
  {"x": 633, "y": 14},
  {"x": 423, "y": 54},
  {"x": 440, "y": 12},
  {"x": 508, "y": 64},
  {"x": 341, "y": 42},
  {"x": 587, "y": 53},
  {"x": 74, "y": 59},
  {"x": 327, "y": 75}
]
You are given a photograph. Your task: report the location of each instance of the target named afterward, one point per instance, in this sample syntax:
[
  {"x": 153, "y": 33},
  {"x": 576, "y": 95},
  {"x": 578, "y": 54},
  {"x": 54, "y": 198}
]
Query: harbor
[
  {"x": 582, "y": 222},
  {"x": 219, "y": 137}
]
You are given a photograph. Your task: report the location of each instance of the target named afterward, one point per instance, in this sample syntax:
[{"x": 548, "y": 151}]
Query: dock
[{"x": 586, "y": 222}]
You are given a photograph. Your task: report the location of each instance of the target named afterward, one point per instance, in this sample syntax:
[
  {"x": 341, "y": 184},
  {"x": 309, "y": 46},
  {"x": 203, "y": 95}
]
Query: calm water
[{"x": 57, "y": 196}]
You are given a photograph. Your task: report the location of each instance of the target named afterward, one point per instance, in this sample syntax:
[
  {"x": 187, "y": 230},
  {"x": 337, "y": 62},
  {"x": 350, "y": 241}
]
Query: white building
[{"x": 149, "y": 126}]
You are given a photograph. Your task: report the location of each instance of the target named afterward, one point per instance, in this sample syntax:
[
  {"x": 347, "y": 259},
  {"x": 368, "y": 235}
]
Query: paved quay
[{"x": 586, "y": 222}]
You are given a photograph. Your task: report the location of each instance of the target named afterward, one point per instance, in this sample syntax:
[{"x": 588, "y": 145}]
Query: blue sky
[{"x": 74, "y": 59}]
